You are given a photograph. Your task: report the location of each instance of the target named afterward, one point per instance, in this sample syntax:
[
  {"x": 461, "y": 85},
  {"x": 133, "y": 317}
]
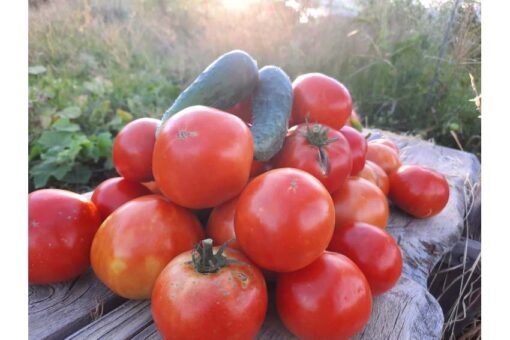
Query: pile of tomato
[{"x": 202, "y": 229}]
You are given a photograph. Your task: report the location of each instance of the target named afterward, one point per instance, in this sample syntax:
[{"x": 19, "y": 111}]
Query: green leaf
[
  {"x": 50, "y": 138},
  {"x": 104, "y": 144},
  {"x": 36, "y": 70},
  {"x": 80, "y": 174},
  {"x": 70, "y": 112},
  {"x": 63, "y": 124},
  {"x": 42, "y": 171}
]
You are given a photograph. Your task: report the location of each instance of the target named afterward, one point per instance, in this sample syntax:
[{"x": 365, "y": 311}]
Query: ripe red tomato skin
[
  {"x": 298, "y": 153},
  {"x": 360, "y": 201},
  {"x": 243, "y": 109},
  {"x": 61, "y": 227},
  {"x": 287, "y": 211},
  {"x": 220, "y": 225},
  {"x": 113, "y": 192},
  {"x": 228, "y": 304},
  {"x": 375, "y": 174},
  {"x": 196, "y": 163},
  {"x": 259, "y": 167},
  {"x": 419, "y": 191},
  {"x": 384, "y": 156},
  {"x": 133, "y": 147},
  {"x": 137, "y": 240},
  {"x": 329, "y": 299},
  {"x": 373, "y": 250},
  {"x": 358, "y": 146},
  {"x": 324, "y": 99}
]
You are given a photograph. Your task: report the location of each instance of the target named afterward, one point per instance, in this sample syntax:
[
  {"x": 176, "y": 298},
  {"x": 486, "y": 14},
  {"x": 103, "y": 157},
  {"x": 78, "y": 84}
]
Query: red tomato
[
  {"x": 329, "y": 299},
  {"x": 220, "y": 226},
  {"x": 138, "y": 240},
  {"x": 114, "y": 192},
  {"x": 188, "y": 302},
  {"x": 318, "y": 150},
  {"x": 384, "y": 156},
  {"x": 202, "y": 157},
  {"x": 259, "y": 167},
  {"x": 243, "y": 109},
  {"x": 360, "y": 201},
  {"x": 153, "y": 187},
  {"x": 373, "y": 250},
  {"x": 61, "y": 226},
  {"x": 419, "y": 191},
  {"x": 386, "y": 142},
  {"x": 284, "y": 219},
  {"x": 375, "y": 174},
  {"x": 322, "y": 99},
  {"x": 133, "y": 147},
  {"x": 358, "y": 145}
]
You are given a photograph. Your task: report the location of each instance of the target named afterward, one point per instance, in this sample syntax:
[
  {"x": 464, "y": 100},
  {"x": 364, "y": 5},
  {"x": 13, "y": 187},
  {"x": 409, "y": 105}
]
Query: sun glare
[{"x": 238, "y": 5}]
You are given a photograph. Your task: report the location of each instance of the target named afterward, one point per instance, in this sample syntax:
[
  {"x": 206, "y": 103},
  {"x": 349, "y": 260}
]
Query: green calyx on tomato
[
  {"x": 317, "y": 135},
  {"x": 205, "y": 261}
]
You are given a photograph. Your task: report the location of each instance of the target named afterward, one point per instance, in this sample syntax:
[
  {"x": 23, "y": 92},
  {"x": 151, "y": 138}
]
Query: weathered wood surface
[{"x": 408, "y": 311}]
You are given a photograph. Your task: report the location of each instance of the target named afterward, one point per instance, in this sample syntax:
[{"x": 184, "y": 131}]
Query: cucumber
[
  {"x": 228, "y": 80},
  {"x": 272, "y": 105}
]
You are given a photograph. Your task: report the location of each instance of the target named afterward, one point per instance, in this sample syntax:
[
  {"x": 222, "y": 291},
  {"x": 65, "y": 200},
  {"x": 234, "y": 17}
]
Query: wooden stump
[{"x": 86, "y": 309}]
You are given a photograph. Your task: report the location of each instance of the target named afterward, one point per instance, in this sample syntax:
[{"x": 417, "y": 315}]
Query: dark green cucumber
[
  {"x": 272, "y": 105},
  {"x": 229, "y": 79}
]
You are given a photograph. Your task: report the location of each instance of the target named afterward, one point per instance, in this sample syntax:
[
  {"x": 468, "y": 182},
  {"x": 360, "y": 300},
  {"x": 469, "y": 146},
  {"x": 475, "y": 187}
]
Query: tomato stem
[
  {"x": 317, "y": 135},
  {"x": 205, "y": 261}
]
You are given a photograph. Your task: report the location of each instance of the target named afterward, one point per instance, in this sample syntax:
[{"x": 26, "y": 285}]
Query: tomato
[
  {"x": 194, "y": 299},
  {"x": 202, "y": 157},
  {"x": 243, "y": 109},
  {"x": 358, "y": 146},
  {"x": 373, "y": 250},
  {"x": 137, "y": 241},
  {"x": 220, "y": 226},
  {"x": 318, "y": 150},
  {"x": 360, "y": 201},
  {"x": 284, "y": 219},
  {"x": 114, "y": 192},
  {"x": 322, "y": 99},
  {"x": 259, "y": 167},
  {"x": 329, "y": 299},
  {"x": 153, "y": 187},
  {"x": 375, "y": 174},
  {"x": 133, "y": 147},
  {"x": 61, "y": 226},
  {"x": 419, "y": 191},
  {"x": 384, "y": 156},
  {"x": 386, "y": 142}
]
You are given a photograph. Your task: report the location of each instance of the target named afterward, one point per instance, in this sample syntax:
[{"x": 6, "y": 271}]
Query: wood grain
[{"x": 58, "y": 310}]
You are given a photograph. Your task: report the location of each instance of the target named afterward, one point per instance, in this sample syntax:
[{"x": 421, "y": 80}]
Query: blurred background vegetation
[{"x": 411, "y": 66}]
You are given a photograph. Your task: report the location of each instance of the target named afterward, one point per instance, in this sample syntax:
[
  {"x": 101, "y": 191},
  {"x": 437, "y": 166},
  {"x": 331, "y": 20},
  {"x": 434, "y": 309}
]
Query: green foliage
[{"x": 96, "y": 65}]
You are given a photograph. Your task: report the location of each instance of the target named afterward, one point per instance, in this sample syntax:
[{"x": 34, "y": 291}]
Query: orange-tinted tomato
[
  {"x": 133, "y": 147},
  {"x": 220, "y": 226},
  {"x": 114, "y": 192},
  {"x": 319, "y": 150},
  {"x": 228, "y": 304},
  {"x": 386, "y": 142},
  {"x": 358, "y": 146},
  {"x": 202, "y": 157},
  {"x": 419, "y": 191},
  {"x": 284, "y": 219},
  {"x": 384, "y": 156},
  {"x": 320, "y": 99},
  {"x": 61, "y": 226},
  {"x": 138, "y": 240},
  {"x": 360, "y": 201},
  {"x": 329, "y": 299},
  {"x": 376, "y": 175},
  {"x": 373, "y": 250}
]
